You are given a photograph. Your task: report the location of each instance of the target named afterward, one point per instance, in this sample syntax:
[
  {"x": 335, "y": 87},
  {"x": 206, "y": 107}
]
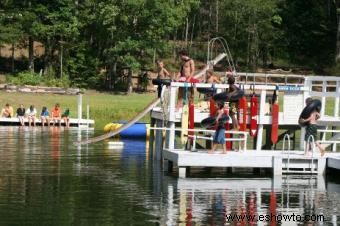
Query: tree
[{"x": 310, "y": 32}]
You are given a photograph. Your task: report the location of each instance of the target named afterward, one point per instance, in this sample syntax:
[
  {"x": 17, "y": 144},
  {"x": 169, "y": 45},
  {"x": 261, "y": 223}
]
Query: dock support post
[
  {"x": 172, "y": 108},
  {"x": 277, "y": 166},
  {"x": 158, "y": 141},
  {"x": 321, "y": 166},
  {"x": 167, "y": 165},
  {"x": 80, "y": 104},
  {"x": 306, "y": 94},
  {"x": 152, "y": 136},
  {"x": 261, "y": 114},
  {"x": 182, "y": 172}
]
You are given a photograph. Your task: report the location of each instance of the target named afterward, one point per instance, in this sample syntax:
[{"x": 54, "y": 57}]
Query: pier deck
[
  {"x": 74, "y": 122},
  {"x": 288, "y": 162}
]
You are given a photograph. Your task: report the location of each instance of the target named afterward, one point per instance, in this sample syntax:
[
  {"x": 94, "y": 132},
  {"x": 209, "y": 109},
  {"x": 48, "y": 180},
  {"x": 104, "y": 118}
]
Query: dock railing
[
  {"x": 270, "y": 79},
  {"x": 242, "y": 139},
  {"x": 334, "y": 140},
  {"x": 262, "y": 117},
  {"x": 311, "y": 141},
  {"x": 286, "y": 138}
]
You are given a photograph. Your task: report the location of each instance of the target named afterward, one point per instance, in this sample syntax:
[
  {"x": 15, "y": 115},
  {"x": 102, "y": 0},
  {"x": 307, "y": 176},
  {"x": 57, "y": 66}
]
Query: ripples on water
[{"x": 46, "y": 180}]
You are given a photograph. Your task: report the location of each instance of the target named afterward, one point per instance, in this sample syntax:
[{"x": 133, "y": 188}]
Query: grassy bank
[{"x": 104, "y": 107}]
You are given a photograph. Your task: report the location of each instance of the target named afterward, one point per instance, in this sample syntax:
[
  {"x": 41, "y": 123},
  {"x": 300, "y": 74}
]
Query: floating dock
[
  {"x": 258, "y": 151},
  {"x": 289, "y": 162}
]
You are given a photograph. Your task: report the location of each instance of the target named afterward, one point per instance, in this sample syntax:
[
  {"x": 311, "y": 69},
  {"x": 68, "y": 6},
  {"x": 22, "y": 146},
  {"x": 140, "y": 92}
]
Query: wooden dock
[{"x": 74, "y": 122}]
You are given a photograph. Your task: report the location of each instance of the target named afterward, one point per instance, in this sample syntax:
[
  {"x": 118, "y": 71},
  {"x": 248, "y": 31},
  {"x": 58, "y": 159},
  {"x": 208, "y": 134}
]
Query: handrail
[
  {"x": 243, "y": 138},
  {"x": 286, "y": 136},
  {"x": 226, "y": 49},
  {"x": 244, "y": 86},
  {"x": 311, "y": 137}
]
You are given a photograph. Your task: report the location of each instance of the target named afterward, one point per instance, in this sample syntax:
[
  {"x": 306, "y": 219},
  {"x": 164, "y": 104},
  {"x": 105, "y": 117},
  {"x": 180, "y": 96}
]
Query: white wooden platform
[
  {"x": 289, "y": 162},
  {"x": 334, "y": 162},
  {"x": 74, "y": 122}
]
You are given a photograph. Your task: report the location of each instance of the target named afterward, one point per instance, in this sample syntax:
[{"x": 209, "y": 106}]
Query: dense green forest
[{"x": 85, "y": 40}]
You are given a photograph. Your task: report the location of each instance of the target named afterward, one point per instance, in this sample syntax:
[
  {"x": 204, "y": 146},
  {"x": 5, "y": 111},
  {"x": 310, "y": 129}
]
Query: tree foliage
[{"x": 92, "y": 35}]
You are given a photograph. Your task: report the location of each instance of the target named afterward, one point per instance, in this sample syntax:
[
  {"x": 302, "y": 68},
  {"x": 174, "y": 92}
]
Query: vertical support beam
[
  {"x": 306, "y": 94},
  {"x": 336, "y": 100},
  {"x": 158, "y": 141},
  {"x": 323, "y": 99},
  {"x": 182, "y": 172},
  {"x": 166, "y": 165},
  {"x": 80, "y": 104},
  {"x": 276, "y": 182},
  {"x": 261, "y": 115},
  {"x": 172, "y": 118},
  {"x": 321, "y": 166},
  {"x": 277, "y": 165},
  {"x": 152, "y": 136}
]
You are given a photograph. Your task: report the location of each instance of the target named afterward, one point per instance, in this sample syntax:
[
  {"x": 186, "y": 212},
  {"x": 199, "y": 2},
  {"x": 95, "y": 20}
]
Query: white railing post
[
  {"x": 323, "y": 98},
  {"x": 172, "y": 116},
  {"x": 336, "y": 100},
  {"x": 261, "y": 115},
  {"x": 80, "y": 104}
]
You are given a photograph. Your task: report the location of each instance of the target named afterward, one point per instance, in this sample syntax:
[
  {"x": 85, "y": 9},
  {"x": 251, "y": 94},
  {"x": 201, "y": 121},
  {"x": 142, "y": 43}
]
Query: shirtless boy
[{"x": 185, "y": 75}]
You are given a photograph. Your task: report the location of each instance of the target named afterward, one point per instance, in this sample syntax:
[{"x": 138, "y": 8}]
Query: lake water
[{"x": 46, "y": 180}]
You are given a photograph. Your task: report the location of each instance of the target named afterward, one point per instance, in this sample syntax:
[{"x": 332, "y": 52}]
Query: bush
[
  {"x": 25, "y": 78},
  {"x": 33, "y": 79}
]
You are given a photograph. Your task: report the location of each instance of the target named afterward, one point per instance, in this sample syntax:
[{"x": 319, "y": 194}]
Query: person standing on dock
[
  {"x": 219, "y": 137},
  {"x": 162, "y": 73},
  {"x": 186, "y": 74},
  {"x": 311, "y": 131}
]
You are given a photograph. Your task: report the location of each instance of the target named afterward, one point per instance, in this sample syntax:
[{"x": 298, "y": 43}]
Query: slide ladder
[
  {"x": 211, "y": 62},
  {"x": 286, "y": 159}
]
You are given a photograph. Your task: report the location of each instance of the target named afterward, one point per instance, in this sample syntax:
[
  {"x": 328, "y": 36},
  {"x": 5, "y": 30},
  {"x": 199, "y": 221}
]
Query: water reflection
[
  {"x": 211, "y": 201},
  {"x": 46, "y": 180}
]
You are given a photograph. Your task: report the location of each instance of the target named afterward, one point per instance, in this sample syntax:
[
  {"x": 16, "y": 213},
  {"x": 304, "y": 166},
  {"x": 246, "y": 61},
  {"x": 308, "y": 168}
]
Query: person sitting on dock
[
  {"x": 7, "y": 111},
  {"x": 21, "y": 114},
  {"x": 31, "y": 114},
  {"x": 233, "y": 105},
  {"x": 211, "y": 78},
  {"x": 56, "y": 114},
  {"x": 66, "y": 117},
  {"x": 219, "y": 137},
  {"x": 45, "y": 117}
]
